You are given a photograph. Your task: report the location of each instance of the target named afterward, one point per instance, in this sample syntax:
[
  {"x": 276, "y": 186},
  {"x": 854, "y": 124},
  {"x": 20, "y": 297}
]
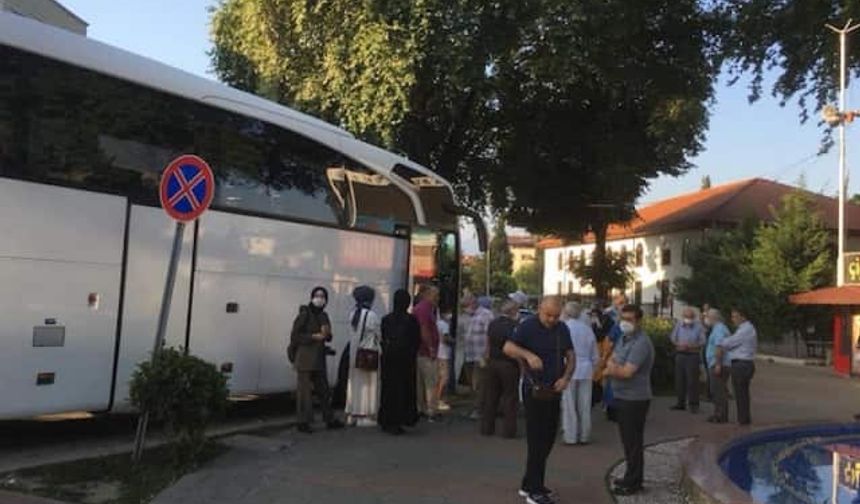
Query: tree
[
  {"x": 792, "y": 254},
  {"x": 501, "y": 259},
  {"x": 722, "y": 274},
  {"x": 706, "y": 182},
  {"x": 411, "y": 76},
  {"x": 616, "y": 275},
  {"x": 598, "y": 97},
  {"x": 528, "y": 279},
  {"x": 757, "y": 36},
  {"x": 855, "y": 199}
]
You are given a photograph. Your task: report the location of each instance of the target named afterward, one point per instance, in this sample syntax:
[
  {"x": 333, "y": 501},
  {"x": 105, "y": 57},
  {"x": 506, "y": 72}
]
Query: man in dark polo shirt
[
  {"x": 543, "y": 343},
  {"x": 629, "y": 371}
]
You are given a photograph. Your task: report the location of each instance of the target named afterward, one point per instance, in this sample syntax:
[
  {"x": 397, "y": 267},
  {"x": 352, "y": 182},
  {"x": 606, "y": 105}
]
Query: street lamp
[{"x": 839, "y": 117}]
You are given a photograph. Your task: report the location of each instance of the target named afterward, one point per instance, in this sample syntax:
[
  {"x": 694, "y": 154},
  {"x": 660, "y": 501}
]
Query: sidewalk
[{"x": 448, "y": 462}]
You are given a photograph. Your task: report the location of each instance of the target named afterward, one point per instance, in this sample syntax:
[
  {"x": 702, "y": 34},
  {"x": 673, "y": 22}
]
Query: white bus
[{"x": 85, "y": 130}]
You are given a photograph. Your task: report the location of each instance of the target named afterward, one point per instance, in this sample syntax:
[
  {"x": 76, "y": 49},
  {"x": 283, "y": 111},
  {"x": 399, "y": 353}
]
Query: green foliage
[
  {"x": 528, "y": 279},
  {"x": 663, "y": 373},
  {"x": 790, "y": 36},
  {"x": 184, "y": 392},
  {"x": 537, "y": 108},
  {"x": 501, "y": 259},
  {"x": 502, "y": 284},
  {"x": 474, "y": 277},
  {"x": 792, "y": 255},
  {"x": 757, "y": 267},
  {"x": 616, "y": 273}
]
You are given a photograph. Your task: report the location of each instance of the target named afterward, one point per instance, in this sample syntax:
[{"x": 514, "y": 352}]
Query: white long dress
[{"x": 362, "y": 390}]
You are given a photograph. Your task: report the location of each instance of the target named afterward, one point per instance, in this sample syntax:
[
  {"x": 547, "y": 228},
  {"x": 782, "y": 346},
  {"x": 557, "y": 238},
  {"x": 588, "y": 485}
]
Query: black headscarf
[
  {"x": 363, "y": 296},
  {"x": 401, "y": 303},
  {"x": 314, "y": 292}
]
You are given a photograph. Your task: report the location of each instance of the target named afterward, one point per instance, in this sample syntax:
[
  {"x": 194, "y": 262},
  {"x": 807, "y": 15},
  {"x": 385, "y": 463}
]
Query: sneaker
[
  {"x": 443, "y": 406},
  {"x": 475, "y": 415},
  {"x": 539, "y": 498},
  {"x": 625, "y": 490},
  {"x": 545, "y": 491}
]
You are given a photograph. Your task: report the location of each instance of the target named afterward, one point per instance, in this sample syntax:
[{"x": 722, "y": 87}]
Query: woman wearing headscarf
[
  {"x": 401, "y": 335},
  {"x": 362, "y": 389},
  {"x": 311, "y": 331}
]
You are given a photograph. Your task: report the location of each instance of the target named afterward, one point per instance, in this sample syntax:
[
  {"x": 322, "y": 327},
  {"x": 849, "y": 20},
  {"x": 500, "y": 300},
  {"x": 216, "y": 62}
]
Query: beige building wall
[
  {"x": 47, "y": 11},
  {"x": 522, "y": 256}
]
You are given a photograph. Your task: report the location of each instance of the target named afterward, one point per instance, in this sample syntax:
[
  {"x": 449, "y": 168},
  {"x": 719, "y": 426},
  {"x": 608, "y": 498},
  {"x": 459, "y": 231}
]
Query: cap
[{"x": 519, "y": 297}]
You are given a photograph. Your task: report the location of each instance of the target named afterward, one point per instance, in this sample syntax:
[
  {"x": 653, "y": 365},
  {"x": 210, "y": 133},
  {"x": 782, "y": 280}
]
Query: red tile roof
[
  {"x": 521, "y": 241},
  {"x": 848, "y": 295},
  {"x": 724, "y": 204}
]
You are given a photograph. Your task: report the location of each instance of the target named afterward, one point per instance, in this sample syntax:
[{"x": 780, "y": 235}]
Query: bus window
[{"x": 435, "y": 197}]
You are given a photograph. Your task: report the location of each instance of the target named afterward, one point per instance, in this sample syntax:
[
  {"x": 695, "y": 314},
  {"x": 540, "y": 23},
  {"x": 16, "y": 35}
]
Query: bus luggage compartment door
[{"x": 60, "y": 269}]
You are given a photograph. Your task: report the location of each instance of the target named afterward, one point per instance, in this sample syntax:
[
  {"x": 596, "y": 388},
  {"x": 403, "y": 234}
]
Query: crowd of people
[{"x": 558, "y": 365}]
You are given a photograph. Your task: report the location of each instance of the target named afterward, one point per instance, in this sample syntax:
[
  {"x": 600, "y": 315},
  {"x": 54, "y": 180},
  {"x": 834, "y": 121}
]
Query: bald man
[{"x": 544, "y": 345}]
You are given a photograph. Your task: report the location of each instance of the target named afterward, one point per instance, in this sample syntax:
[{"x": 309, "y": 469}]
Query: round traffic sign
[{"x": 187, "y": 188}]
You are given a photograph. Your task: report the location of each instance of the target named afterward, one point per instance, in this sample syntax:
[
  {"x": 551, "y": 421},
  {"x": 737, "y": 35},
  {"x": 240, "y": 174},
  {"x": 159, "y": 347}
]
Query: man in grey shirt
[
  {"x": 688, "y": 336},
  {"x": 741, "y": 347},
  {"x": 629, "y": 372}
]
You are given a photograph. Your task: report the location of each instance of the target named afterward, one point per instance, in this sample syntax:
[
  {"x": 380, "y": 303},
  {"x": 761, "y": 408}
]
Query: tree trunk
[{"x": 601, "y": 287}]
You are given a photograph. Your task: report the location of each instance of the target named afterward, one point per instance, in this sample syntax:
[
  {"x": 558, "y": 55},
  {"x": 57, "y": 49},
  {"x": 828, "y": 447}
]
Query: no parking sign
[{"x": 187, "y": 188}]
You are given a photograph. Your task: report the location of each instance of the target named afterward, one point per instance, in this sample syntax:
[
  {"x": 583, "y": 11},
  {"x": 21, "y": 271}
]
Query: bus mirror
[{"x": 480, "y": 226}]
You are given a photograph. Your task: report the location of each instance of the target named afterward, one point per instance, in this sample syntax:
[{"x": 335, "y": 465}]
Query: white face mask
[
  {"x": 319, "y": 302},
  {"x": 627, "y": 327},
  {"x": 688, "y": 321}
]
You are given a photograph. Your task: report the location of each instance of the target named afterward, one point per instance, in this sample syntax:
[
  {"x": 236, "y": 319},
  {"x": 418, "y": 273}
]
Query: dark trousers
[
  {"x": 720, "y": 392},
  {"x": 707, "y": 375},
  {"x": 631, "y": 425},
  {"x": 542, "y": 418},
  {"x": 687, "y": 378},
  {"x": 742, "y": 375},
  {"x": 500, "y": 389},
  {"x": 308, "y": 383}
]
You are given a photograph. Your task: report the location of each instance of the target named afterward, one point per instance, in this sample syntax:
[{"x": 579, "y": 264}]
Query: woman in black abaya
[{"x": 400, "y": 336}]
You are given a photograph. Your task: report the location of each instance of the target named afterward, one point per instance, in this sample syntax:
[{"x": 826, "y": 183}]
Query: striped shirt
[{"x": 476, "y": 344}]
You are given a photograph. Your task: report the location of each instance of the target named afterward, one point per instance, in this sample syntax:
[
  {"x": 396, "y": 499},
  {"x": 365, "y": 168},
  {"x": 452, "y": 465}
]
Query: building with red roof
[{"x": 659, "y": 238}]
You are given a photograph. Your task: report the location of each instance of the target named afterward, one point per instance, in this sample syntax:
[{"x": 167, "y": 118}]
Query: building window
[
  {"x": 559, "y": 289},
  {"x": 570, "y": 287},
  {"x": 685, "y": 251},
  {"x": 582, "y": 257},
  {"x": 561, "y": 261},
  {"x": 637, "y": 293},
  {"x": 640, "y": 255},
  {"x": 624, "y": 255},
  {"x": 665, "y": 292},
  {"x": 666, "y": 256}
]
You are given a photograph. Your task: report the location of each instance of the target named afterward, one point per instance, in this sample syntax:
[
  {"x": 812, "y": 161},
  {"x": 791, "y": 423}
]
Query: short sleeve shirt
[
  {"x": 550, "y": 344},
  {"x": 639, "y": 351},
  {"x": 426, "y": 315}
]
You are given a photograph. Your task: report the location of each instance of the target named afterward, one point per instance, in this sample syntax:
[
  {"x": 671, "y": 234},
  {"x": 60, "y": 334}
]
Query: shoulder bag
[
  {"x": 365, "y": 358},
  {"x": 542, "y": 392}
]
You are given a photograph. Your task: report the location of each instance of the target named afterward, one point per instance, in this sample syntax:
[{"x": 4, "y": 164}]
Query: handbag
[
  {"x": 541, "y": 392},
  {"x": 365, "y": 358}
]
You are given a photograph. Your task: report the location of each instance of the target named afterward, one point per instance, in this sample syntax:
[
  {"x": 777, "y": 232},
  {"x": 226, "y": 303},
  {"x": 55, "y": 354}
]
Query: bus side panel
[
  {"x": 60, "y": 269},
  {"x": 150, "y": 239},
  {"x": 268, "y": 268}
]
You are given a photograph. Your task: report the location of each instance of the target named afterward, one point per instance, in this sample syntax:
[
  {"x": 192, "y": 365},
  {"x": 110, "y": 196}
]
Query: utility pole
[{"x": 840, "y": 258}]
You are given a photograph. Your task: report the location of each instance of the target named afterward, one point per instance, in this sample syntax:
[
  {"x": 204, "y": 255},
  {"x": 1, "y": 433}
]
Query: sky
[{"x": 743, "y": 140}]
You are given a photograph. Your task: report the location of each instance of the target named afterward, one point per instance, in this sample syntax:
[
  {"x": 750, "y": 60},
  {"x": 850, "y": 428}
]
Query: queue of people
[{"x": 558, "y": 364}]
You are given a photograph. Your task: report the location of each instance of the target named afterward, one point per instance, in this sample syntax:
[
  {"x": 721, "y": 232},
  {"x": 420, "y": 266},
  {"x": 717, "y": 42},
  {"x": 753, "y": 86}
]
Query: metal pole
[
  {"x": 840, "y": 261},
  {"x": 843, "y": 172},
  {"x": 163, "y": 316}
]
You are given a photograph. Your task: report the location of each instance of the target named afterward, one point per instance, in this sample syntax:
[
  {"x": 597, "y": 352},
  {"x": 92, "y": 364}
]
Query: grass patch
[{"x": 108, "y": 480}]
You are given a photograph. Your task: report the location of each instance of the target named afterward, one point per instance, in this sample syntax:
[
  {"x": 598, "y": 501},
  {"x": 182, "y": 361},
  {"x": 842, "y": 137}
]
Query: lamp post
[{"x": 840, "y": 117}]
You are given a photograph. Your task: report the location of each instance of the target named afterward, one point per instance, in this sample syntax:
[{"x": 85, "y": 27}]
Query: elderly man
[
  {"x": 688, "y": 336},
  {"x": 543, "y": 344},
  {"x": 476, "y": 347},
  {"x": 741, "y": 348},
  {"x": 501, "y": 375},
  {"x": 718, "y": 384},
  {"x": 576, "y": 401}
]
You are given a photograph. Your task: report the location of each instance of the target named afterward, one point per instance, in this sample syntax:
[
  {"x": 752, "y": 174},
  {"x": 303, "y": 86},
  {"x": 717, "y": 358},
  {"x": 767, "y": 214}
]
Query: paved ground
[{"x": 449, "y": 463}]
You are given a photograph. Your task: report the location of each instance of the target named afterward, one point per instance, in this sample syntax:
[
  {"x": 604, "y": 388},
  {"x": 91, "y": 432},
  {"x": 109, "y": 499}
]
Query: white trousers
[{"x": 576, "y": 412}]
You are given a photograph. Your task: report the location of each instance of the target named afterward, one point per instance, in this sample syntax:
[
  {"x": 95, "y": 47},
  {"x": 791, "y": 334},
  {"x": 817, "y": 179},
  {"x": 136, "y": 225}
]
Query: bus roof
[{"x": 33, "y": 36}]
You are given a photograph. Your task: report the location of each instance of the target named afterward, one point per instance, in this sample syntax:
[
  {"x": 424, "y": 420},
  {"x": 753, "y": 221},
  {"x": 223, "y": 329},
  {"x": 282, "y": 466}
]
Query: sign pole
[
  {"x": 186, "y": 190},
  {"x": 163, "y": 316}
]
